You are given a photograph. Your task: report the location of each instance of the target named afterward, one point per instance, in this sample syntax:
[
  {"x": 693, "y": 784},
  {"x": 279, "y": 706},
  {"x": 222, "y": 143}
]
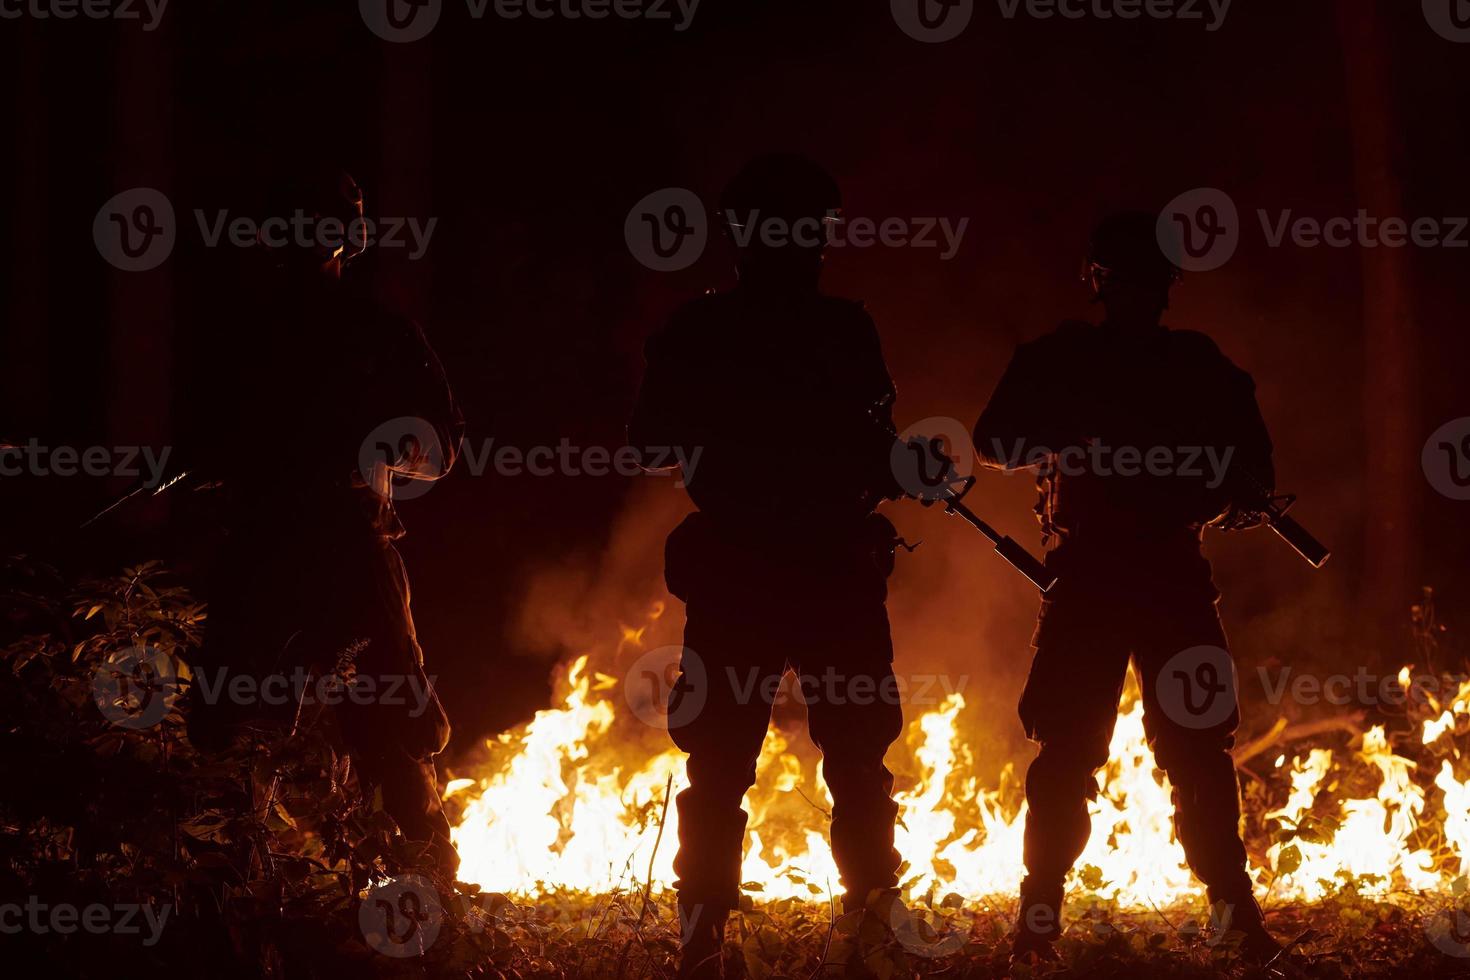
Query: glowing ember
[{"x": 573, "y": 800}]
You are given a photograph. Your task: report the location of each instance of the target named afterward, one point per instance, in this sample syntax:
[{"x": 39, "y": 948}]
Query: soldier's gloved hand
[
  {"x": 921, "y": 469},
  {"x": 1237, "y": 518}
]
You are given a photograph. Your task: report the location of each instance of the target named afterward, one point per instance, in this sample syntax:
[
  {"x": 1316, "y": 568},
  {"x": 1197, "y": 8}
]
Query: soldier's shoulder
[
  {"x": 371, "y": 317},
  {"x": 847, "y": 316},
  {"x": 712, "y": 304},
  {"x": 1195, "y": 344},
  {"x": 1070, "y": 337},
  {"x": 687, "y": 323},
  {"x": 843, "y": 306},
  {"x": 1202, "y": 353}
]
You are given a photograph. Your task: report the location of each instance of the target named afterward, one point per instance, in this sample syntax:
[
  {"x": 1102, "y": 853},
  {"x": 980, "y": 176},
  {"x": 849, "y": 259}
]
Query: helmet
[
  {"x": 784, "y": 186},
  {"x": 1125, "y": 248}
]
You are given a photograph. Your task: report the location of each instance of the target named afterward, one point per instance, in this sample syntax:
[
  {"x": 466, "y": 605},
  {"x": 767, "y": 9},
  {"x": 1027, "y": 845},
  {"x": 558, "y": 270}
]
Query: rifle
[
  {"x": 140, "y": 486},
  {"x": 949, "y": 488},
  {"x": 1265, "y": 506}
]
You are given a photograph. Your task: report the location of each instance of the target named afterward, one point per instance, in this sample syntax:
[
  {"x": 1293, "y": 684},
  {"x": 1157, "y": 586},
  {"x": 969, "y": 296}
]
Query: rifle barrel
[{"x": 1008, "y": 548}]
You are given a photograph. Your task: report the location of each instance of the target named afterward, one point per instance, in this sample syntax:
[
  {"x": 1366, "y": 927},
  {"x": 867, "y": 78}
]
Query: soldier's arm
[
  {"x": 1252, "y": 439},
  {"x": 664, "y": 406},
  {"x": 1230, "y": 427},
  {"x": 1027, "y": 415},
  {"x": 877, "y": 395},
  {"x": 418, "y": 388}
]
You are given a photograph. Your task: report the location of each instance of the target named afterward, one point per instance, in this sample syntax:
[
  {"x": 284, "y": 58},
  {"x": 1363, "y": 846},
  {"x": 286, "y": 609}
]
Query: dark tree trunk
[{"x": 1390, "y": 342}]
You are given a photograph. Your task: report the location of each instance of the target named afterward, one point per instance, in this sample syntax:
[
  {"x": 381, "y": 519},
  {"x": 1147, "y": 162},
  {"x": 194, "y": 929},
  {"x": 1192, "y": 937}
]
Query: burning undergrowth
[
  {"x": 270, "y": 860},
  {"x": 575, "y": 801}
]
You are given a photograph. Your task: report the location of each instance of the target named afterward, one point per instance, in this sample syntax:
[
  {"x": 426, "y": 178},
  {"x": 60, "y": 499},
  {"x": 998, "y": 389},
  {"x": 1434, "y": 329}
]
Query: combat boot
[
  {"x": 1038, "y": 922},
  {"x": 702, "y": 942},
  {"x": 1242, "y": 914},
  {"x": 868, "y": 922}
]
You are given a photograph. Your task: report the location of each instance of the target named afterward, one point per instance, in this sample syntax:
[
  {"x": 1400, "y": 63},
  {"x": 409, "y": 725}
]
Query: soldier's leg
[
  {"x": 393, "y": 724},
  {"x": 410, "y": 796},
  {"x": 719, "y": 715},
  {"x": 1190, "y": 716},
  {"x": 854, "y": 714},
  {"x": 1069, "y": 706}
]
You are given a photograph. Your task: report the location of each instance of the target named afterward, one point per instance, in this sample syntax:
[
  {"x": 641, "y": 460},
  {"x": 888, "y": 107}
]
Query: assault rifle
[
  {"x": 1265, "y": 506},
  {"x": 939, "y": 482},
  {"x": 140, "y": 487}
]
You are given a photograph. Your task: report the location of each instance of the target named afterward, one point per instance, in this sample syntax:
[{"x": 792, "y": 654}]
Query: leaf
[
  {"x": 1288, "y": 860},
  {"x": 1092, "y": 877}
]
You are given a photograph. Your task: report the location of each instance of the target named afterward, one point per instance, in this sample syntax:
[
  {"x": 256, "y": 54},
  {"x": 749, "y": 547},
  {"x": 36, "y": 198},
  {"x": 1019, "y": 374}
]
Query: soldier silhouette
[
  {"x": 785, "y": 562},
  {"x": 326, "y": 400},
  {"x": 1142, "y": 436}
]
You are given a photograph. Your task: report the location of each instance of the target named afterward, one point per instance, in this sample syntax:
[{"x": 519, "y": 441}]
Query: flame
[{"x": 564, "y": 803}]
